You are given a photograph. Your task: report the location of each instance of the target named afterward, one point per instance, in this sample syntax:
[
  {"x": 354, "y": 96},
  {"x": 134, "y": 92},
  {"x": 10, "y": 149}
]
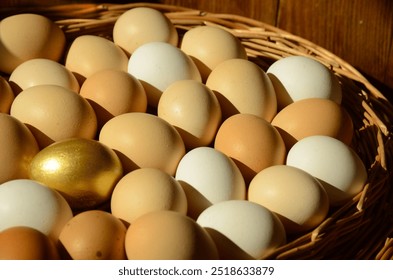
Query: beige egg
[
  {"x": 193, "y": 109},
  {"x": 93, "y": 235},
  {"x": 294, "y": 195},
  {"x": 142, "y": 25},
  {"x": 113, "y": 92},
  {"x": 313, "y": 116},
  {"x": 54, "y": 113},
  {"x": 89, "y": 54},
  {"x": 208, "y": 46},
  {"x": 6, "y": 96},
  {"x": 168, "y": 235},
  {"x": 28, "y": 36},
  {"x": 252, "y": 142},
  {"x": 241, "y": 86},
  {"x": 18, "y": 147},
  {"x": 143, "y": 140},
  {"x": 42, "y": 71},
  {"x": 146, "y": 190}
]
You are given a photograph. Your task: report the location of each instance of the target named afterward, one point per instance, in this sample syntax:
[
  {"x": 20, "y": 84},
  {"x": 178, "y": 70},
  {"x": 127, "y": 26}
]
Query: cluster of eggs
[{"x": 152, "y": 145}]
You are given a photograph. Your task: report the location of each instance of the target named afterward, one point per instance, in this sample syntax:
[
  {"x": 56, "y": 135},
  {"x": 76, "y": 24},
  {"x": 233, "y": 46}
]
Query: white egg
[
  {"x": 28, "y": 203},
  {"x": 159, "y": 64},
  {"x": 252, "y": 227},
  {"x": 212, "y": 173},
  {"x": 299, "y": 77},
  {"x": 339, "y": 169}
]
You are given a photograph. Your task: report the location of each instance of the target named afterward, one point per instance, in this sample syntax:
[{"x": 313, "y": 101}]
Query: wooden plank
[{"x": 359, "y": 31}]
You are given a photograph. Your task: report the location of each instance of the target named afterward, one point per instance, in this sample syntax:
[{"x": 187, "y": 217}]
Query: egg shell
[
  {"x": 26, "y": 36},
  {"x": 84, "y": 171},
  {"x": 25, "y": 243},
  {"x": 143, "y": 140},
  {"x": 54, "y": 113},
  {"x": 142, "y": 25},
  {"x": 212, "y": 173},
  {"x": 193, "y": 109},
  {"x": 336, "y": 165},
  {"x": 241, "y": 86},
  {"x": 18, "y": 148},
  {"x": 299, "y": 77},
  {"x": 250, "y": 226},
  {"x": 298, "y": 199},
  {"x": 28, "y": 203},
  {"x": 6, "y": 96},
  {"x": 89, "y": 54},
  {"x": 93, "y": 235},
  {"x": 159, "y": 64},
  {"x": 146, "y": 190},
  {"x": 113, "y": 92},
  {"x": 42, "y": 71},
  {"x": 252, "y": 142},
  {"x": 313, "y": 116},
  {"x": 196, "y": 201},
  {"x": 208, "y": 46},
  {"x": 168, "y": 235}
]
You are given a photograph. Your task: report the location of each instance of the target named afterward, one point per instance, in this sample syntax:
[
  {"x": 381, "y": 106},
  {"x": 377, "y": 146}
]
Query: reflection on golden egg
[{"x": 84, "y": 171}]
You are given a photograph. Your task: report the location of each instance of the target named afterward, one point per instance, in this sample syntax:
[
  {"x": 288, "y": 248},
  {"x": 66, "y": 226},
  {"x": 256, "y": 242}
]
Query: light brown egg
[
  {"x": 193, "y": 109},
  {"x": 113, "y": 92},
  {"x": 142, "y": 25},
  {"x": 89, "y": 54},
  {"x": 143, "y": 140},
  {"x": 168, "y": 235},
  {"x": 252, "y": 142},
  {"x": 208, "y": 46},
  {"x": 26, "y": 243},
  {"x": 41, "y": 71},
  {"x": 313, "y": 116},
  {"x": 146, "y": 190},
  {"x": 93, "y": 235},
  {"x": 28, "y": 36},
  {"x": 241, "y": 86},
  {"x": 18, "y": 147},
  {"x": 54, "y": 113},
  {"x": 6, "y": 96},
  {"x": 84, "y": 171},
  {"x": 298, "y": 198}
]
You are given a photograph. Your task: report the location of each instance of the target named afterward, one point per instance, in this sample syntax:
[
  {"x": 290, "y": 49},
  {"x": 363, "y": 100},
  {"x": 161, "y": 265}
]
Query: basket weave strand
[{"x": 362, "y": 228}]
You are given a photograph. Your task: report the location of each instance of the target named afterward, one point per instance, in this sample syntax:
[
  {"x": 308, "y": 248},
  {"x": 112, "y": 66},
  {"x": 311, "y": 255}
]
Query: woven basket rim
[{"x": 367, "y": 216}]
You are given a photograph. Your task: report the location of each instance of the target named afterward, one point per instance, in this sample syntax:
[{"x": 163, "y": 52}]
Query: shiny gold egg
[{"x": 84, "y": 171}]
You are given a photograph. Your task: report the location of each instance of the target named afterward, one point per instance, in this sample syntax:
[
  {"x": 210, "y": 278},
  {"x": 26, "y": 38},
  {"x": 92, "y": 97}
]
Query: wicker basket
[{"x": 361, "y": 229}]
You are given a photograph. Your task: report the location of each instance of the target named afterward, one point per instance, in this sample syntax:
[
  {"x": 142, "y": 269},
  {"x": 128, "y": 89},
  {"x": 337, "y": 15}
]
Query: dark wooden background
[{"x": 358, "y": 31}]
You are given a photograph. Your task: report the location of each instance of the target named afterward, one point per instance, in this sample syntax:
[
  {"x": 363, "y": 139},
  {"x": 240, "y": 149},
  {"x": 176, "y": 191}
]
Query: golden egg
[{"x": 84, "y": 171}]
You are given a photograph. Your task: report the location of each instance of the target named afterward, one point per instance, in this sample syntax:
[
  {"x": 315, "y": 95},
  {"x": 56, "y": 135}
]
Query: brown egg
[
  {"x": 6, "y": 96},
  {"x": 208, "y": 46},
  {"x": 193, "y": 109},
  {"x": 25, "y": 243},
  {"x": 146, "y": 190},
  {"x": 143, "y": 140},
  {"x": 113, "y": 92},
  {"x": 142, "y": 25},
  {"x": 313, "y": 116},
  {"x": 28, "y": 36},
  {"x": 41, "y": 71},
  {"x": 252, "y": 142},
  {"x": 241, "y": 86},
  {"x": 18, "y": 147},
  {"x": 168, "y": 235},
  {"x": 54, "y": 113},
  {"x": 89, "y": 54},
  {"x": 93, "y": 235}
]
